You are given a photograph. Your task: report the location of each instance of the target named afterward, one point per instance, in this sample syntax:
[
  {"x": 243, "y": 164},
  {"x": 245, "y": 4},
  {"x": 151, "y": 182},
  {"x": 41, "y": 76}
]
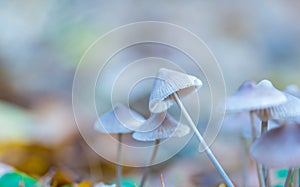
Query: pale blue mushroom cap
[
  {"x": 167, "y": 83},
  {"x": 120, "y": 119},
  {"x": 162, "y": 129},
  {"x": 278, "y": 148},
  {"x": 251, "y": 97}
]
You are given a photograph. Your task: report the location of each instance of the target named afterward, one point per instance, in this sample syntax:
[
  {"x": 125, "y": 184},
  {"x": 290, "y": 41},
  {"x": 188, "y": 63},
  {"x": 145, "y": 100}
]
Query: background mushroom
[
  {"x": 164, "y": 126},
  {"x": 120, "y": 120},
  {"x": 170, "y": 86},
  {"x": 278, "y": 148},
  {"x": 256, "y": 98}
]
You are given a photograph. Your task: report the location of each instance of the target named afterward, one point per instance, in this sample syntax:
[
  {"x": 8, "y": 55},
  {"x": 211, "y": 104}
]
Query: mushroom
[
  {"x": 170, "y": 86},
  {"x": 279, "y": 148},
  {"x": 120, "y": 120},
  {"x": 168, "y": 83},
  {"x": 161, "y": 126},
  {"x": 256, "y": 98},
  {"x": 166, "y": 128},
  {"x": 289, "y": 109}
]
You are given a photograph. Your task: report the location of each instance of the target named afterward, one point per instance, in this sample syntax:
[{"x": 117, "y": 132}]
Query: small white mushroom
[
  {"x": 159, "y": 126},
  {"x": 290, "y": 108},
  {"x": 167, "y": 128},
  {"x": 170, "y": 86},
  {"x": 119, "y": 120},
  {"x": 167, "y": 83},
  {"x": 261, "y": 99},
  {"x": 251, "y": 97}
]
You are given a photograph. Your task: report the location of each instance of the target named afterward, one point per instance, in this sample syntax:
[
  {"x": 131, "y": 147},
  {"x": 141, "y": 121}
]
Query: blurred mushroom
[
  {"x": 120, "y": 120},
  {"x": 256, "y": 98},
  {"x": 170, "y": 86},
  {"x": 164, "y": 126},
  {"x": 279, "y": 147}
]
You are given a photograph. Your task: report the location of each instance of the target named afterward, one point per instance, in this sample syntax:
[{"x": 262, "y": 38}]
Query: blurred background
[{"x": 42, "y": 42}]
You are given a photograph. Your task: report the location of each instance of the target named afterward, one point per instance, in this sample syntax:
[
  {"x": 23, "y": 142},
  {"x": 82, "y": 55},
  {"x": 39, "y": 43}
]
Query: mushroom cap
[
  {"x": 278, "y": 148},
  {"x": 120, "y": 119},
  {"x": 251, "y": 97},
  {"x": 167, "y": 128},
  {"x": 168, "y": 82},
  {"x": 290, "y": 108},
  {"x": 153, "y": 122}
]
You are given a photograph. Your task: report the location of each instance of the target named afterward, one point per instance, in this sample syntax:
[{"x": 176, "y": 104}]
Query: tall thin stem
[
  {"x": 296, "y": 177},
  {"x": 258, "y": 166},
  {"x": 162, "y": 180},
  {"x": 154, "y": 153},
  {"x": 202, "y": 142},
  {"x": 245, "y": 162},
  {"x": 260, "y": 173},
  {"x": 253, "y": 129},
  {"x": 264, "y": 129},
  {"x": 288, "y": 178},
  {"x": 119, "y": 165}
]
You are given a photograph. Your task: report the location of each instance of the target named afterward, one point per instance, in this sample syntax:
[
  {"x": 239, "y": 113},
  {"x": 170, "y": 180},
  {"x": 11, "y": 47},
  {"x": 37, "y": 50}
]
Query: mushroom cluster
[
  {"x": 169, "y": 88},
  {"x": 275, "y": 147}
]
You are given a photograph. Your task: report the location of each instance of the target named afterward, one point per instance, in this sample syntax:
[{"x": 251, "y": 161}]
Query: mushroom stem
[
  {"x": 119, "y": 166},
  {"x": 246, "y": 160},
  {"x": 202, "y": 142},
  {"x": 288, "y": 178},
  {"x": 258, "y": 166},
  {"x": 296, "y": 178},
  {"x": 253, "y": 129},
  {"x": 264, "y": 129},
  {"x": 157, "y": 141},
  {"x": 162, "y": 180},
  {"x": 260, "y": 174}
]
